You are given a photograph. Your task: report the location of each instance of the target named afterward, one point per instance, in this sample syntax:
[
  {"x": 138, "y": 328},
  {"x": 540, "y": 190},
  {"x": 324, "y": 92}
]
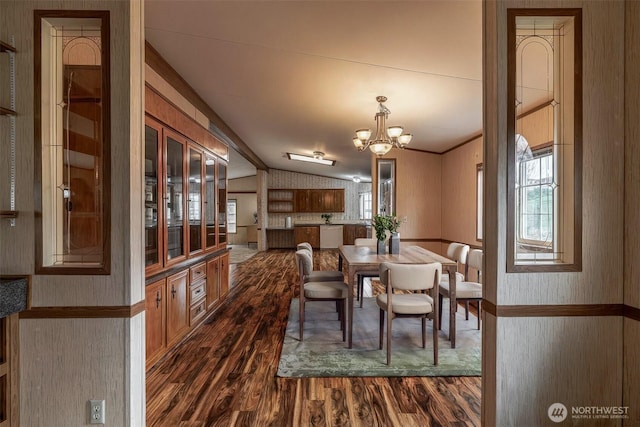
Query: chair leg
[
  {"x": 343, "y": 305},
  {"x": 358, "y": 293},
  {"x": 361, "y": 287},
  {"x": 389, "y": 323},
  {"x": 301, "y": 320},
  {"x": 440, "y": 311},
  {"x": 479, "y": 311},
  {"x": 466, "y": 310},
  {"x": 424, "y": 331},
  {"x": 381, "y": 326},
  {"x": 435, "y": 345}
]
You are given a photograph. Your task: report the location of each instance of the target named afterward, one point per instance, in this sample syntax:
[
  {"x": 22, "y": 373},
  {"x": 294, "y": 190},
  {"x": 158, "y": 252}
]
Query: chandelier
[{"x": 385, "y": 139}]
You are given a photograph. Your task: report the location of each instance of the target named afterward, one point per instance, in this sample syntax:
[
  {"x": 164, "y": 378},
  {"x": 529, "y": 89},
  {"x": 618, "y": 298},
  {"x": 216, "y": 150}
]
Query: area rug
[
  {"x": 324, "y": 354},
  {"x": 239, "y": 254}
]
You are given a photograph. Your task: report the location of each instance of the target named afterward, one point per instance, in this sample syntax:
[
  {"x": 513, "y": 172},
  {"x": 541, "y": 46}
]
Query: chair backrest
[
  {"x": 305, "y": 263},
  {"x": 305, "y": 245},
  {"x": 475, "y": 261},
  {"x": 412, "y": 277},
  {"x": 362, "y": 241},
  {"x": 459, "y": 252}
]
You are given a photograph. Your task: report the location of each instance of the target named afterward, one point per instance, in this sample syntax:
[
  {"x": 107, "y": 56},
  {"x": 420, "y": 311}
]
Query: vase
[
  {"x": 394, "y": 243},
  {"x": 381, "y": 247}
]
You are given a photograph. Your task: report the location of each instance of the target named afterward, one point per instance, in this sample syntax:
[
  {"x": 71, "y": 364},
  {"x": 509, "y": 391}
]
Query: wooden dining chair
[
  {"x": 410, "y": 277},
  {"x": 320, "y": 275},
  {"x": 319, "y": 291},
  {"x": 457, "y": 252},
  {"x": 467, "y": 291}
]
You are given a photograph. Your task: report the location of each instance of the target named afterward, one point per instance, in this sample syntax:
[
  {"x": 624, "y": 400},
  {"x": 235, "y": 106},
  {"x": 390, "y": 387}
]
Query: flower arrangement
[{"x": 326, "y": 217}]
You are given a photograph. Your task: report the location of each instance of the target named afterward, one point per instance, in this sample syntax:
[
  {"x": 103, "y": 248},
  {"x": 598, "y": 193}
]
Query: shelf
[
  {"x": 6, "y": 112},
  {"x": 6, "y": 47}
]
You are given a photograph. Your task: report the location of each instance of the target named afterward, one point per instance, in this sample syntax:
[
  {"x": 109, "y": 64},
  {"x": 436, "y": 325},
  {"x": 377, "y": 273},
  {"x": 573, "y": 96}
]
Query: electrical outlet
[{"x": 96, "y": 412}]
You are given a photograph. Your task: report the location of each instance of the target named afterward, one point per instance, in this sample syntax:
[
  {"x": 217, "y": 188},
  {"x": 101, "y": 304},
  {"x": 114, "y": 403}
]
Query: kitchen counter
[{"x": 13, "y": 295}]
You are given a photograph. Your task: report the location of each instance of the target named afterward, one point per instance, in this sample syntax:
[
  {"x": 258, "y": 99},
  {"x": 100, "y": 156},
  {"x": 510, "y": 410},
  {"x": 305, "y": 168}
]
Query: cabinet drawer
[
  {"x": 198, "y": 272},
  {"x": 197, "y": 311},
  {"x": 198, "y": 291}
]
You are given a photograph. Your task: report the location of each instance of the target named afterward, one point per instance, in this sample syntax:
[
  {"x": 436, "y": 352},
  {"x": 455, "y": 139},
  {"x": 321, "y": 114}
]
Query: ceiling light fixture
[
  {"x": 356, "y": 179},
  {"x": 318, "y": 157},
  {"x": 385, "y": 139}
]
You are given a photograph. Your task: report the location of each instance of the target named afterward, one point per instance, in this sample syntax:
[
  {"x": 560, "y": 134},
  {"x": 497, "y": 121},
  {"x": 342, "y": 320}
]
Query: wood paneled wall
[
  {"x": 418, "y": 192},
  {"x": 631, "y": 389},
  {"x": 459, "y": 208},
  {"x": 62, "y": 364},
  {"x": 531, "y": 362}
]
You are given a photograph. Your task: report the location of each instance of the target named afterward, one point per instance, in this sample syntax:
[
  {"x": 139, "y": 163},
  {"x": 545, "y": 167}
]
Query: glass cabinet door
[
  {"x": 152, "y": 217},
  {"x": 210, "y": 201},
  {"x": 194, "y": 202},
  {"x": 175, "y": 202},
  {"x": 222, "y": 204}
]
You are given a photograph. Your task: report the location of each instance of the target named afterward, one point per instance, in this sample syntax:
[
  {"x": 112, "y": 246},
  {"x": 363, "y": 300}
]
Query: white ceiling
[{"x": 301, "y": 76}]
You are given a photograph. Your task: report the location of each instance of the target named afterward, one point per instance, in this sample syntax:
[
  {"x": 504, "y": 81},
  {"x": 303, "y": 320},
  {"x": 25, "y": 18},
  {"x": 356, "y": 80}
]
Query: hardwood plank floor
[{"x": 223, "y": 374}]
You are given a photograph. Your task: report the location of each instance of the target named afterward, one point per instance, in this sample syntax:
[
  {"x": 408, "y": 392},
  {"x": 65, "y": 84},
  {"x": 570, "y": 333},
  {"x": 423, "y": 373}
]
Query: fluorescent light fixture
[{"x": 313, "y": 159}]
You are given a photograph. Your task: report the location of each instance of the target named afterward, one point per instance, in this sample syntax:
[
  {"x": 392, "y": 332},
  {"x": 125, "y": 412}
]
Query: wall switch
[{"x": 96, "y": 412}]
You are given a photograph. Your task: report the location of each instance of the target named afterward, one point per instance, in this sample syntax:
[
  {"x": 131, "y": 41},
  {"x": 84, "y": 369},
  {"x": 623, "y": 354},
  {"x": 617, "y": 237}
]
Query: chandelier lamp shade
[{"x": 386, "y": 137}]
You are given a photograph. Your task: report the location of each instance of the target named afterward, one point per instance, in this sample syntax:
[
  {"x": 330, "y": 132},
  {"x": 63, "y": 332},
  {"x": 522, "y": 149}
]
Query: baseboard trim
[
  {"x": 561, "y": 310},
  {"x": 84, "y": 312}
]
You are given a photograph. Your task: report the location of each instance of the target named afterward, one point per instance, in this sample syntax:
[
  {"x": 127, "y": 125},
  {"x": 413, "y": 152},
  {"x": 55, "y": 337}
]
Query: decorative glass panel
[
  {"x": 72, "y": 102},
  {"x": 544, "y": 137},
  {"x": 151, "y": 191}
]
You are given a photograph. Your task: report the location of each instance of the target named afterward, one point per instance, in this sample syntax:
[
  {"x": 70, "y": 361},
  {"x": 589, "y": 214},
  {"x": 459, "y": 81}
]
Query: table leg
[
  {"x": 351, "y": 281},
  {"x": 452, "y": 306}
]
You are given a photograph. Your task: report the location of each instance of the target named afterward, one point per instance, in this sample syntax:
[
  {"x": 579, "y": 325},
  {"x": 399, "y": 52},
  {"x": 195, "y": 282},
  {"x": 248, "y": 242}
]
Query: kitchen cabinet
[
  {"x": 280, "y": 201},
  {"x": 309, "y": 234},
  {"x": 351, "y": 232},
  {"x": 319, "y": 200},
  {"x": 155, "y": 319},
  {"x": 210, "y": 202},
  {"x": 177, "y": 306}
]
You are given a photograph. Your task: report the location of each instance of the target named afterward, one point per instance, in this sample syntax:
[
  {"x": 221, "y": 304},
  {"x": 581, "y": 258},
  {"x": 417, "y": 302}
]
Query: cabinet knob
[
  {"x": 158, "y": 299},
  {"x": 173, "y": 291}
]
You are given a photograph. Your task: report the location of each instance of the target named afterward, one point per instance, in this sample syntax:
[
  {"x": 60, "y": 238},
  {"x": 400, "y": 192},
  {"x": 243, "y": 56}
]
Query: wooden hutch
[{"x": 186, "y": 255}]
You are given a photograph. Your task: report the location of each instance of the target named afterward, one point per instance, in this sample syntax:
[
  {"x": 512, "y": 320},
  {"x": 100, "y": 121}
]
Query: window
[
  {"x": 232, "y": 216},
  {"x": 72, "y": 142},
  {"x": 364, "y": 200},
  {"x": 536, "y": 202}
]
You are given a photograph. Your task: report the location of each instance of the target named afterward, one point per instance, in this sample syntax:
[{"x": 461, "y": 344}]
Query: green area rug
[{"x": 324, "y": 354}]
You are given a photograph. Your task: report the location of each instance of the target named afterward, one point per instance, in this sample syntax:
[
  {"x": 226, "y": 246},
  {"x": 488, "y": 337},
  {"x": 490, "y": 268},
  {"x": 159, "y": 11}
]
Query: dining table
[{"x": 353, "y": 259}]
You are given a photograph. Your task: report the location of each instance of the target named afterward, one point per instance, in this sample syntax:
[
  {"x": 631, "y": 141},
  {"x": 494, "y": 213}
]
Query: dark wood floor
[{"x": 224, "y": 373}]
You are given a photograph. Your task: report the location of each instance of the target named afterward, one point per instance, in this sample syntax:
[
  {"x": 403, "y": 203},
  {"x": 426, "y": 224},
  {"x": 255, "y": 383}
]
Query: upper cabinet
[
  {"x": 184, "y": 198},
  {"x": 152, "y": 195},
  {"x": 210, "y": 201},
  {"x": 222, "y": 203},
  {"x": 305, "y": 200}
]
